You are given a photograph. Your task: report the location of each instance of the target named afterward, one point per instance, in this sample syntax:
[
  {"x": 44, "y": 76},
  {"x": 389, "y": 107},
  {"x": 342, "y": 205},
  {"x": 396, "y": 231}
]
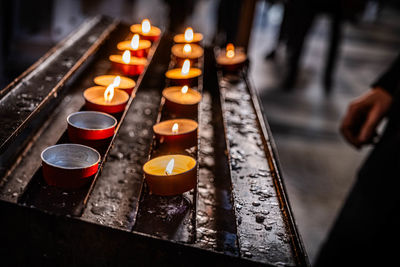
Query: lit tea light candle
[
  {"x": 184, "y": 75},
  {"x": 176, "y": 135},
  {"x": 138, "y": 48},
  {"x": 146, "y": 30},
  {"x": 188, "y": 37},
  {"x": 231, "y": 58},
  {"x": 187, "y": 51},
  {"x": 170, "y": 175},
  {"x": 181, "y": 100},
  {"x": 120, "y": 82},
  {"x": 108, "y": 100},
  {"x": 127, "y": 64}
]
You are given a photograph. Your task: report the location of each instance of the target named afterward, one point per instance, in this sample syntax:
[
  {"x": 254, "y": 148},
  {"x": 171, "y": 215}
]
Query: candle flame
[
  {"x": 135, "y": 42},
  {"x": 230, "y": 50},
  {"x": 184, "y": 90},
  {"x": 109, "y": 93},
  {"x": 175, "y": 128},
  {"x": 185, "y": 67},
  {"x": 126, "y": 57},
  {"x": 170, "y": 167},
  {"x": 146, "y": 26},
  {"x": 187, "y": 48},
  {"x": 117, "y": 81},
  {"x": 189, "y": 34}
]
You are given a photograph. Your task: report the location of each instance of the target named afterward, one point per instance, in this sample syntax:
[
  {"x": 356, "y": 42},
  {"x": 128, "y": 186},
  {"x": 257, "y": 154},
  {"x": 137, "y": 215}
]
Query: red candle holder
[
  {"x": 95, "y": 101},
  {"x": 91, "y": 128},
  {"x": 132, "y": 67},
  {"x": 182, "y": 178},
  {"x": 125, "y": 84},
  {"x": 69, "y": 166},
  {"x": 141, "y": 51},
  {"x": 181, "y": 103},
  {"x": 188, "y": 37},
  {"x": 183, "y": 136},
  {"x": 176, "y": 77},
  {"x": 151, "y": 33},
  {"x": 181, "y": 52}
]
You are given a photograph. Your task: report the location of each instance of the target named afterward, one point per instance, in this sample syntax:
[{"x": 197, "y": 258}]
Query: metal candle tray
[{"x": 238, "y": 214}]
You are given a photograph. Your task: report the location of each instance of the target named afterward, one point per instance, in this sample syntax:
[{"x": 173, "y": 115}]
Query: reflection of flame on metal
[
  {"x": 189, "y": 34},
  {"x": 116, "y": 81},
  {"x": 135, "y": 42},
  {"x": 230, "y": 50},
  {"x": 170, "y": 167},
  {"x": 184, "y": 89},
  {"x": 187, "y": 48},
  {"x": 146, "y": 26},
  {"x": 126, "y": 57},
  {"x": 185, "y": 67},
  {"x": 175, "y": 128},
  {"x": 109, "y": 93}
]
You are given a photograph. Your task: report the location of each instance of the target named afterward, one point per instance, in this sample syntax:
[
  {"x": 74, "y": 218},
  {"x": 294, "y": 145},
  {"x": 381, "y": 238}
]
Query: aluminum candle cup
[
  {"x": 141, "y": 51},
  {"x": 69, "y": 166},
  {"x": 181, "y": 102},
  {"x": 126, "y": 84},
  {"x": 91, "y": 128},
  {"x": 130, "y": 66},
  {"x": 94, "y": 97},
  {"x": 181, "y": 178},
  {"x": 187, "y": 51},
  {"x": 146, "y": 31},
  {"x": 176, "y": 135}
]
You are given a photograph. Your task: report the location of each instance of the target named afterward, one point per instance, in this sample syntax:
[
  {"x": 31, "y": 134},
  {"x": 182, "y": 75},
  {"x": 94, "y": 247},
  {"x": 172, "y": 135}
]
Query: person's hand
[{"x": 364, "y": 115}]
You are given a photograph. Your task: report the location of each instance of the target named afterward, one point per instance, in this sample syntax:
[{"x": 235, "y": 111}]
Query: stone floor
[{"x": 318, "y": 166}]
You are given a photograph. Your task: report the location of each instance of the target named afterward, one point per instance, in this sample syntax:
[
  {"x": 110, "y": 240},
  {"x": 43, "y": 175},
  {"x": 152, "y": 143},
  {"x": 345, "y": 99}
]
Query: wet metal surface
[
  {"x": 42, "y": 83},
  {"x": 174, "y": 217},
  {"x": 216, "y": 224},
  {"x": 235, "y": 214},
  {"x": 38, "y": 193},
  {"x": 115, "y": 198},
  {"x": 262, "y": 228}
]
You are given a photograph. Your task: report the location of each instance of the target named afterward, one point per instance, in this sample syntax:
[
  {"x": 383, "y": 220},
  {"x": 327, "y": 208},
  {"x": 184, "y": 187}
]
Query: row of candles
[
  {"x": 92, "y": 129},
  {"x": 175, "y": 173}
]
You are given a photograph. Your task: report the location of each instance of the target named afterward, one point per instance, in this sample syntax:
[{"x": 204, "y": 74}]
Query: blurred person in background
[
  {"x": 298, "y": 18},
  {"x": 366, "y": 231}
]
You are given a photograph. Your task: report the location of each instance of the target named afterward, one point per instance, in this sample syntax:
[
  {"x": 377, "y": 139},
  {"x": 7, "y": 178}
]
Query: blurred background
[{"x": 308, "y": 60}]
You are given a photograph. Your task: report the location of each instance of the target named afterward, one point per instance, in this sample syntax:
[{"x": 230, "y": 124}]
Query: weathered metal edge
[
  {"x": 92, "y": 49},
  {"x": 273, "y": 160}
]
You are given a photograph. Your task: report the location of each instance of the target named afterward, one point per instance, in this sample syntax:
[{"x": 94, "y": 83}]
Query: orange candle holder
[
  {"x": 181, "y": 52},
  {"x": 137, "y": 47},
  {"x": 181, "y": 101},
  {"x": 176, "y": 135},
  {"x": 91, "y": 128},
  {"x": 231, "y": 59},
  {"x": 188, "y": 37},
  {"x": 95, "y": 100},
  {"x": 165, "y": 180},
  {"x": 184, "y": 76},
  {"x": 123, "y": 83},
  {"x": 69, "y": 166},
  {"x": 130, "y": 66},
  {"x": 146, "y": 30}
]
